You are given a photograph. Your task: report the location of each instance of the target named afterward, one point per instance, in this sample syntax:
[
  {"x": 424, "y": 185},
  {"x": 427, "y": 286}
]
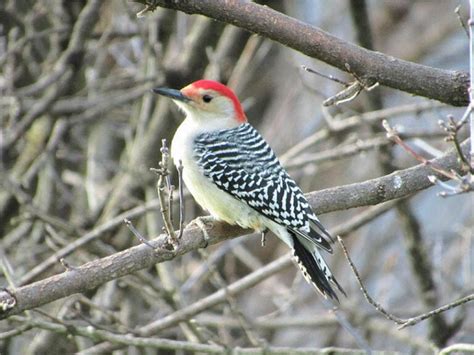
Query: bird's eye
[{"x": 207, "y": 98}]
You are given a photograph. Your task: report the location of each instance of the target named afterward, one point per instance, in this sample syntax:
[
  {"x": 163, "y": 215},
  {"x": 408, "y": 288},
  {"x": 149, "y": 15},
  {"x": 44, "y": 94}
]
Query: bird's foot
[
  {"x": 263, "y": 235},
  {"x": 202, "y": 223}
]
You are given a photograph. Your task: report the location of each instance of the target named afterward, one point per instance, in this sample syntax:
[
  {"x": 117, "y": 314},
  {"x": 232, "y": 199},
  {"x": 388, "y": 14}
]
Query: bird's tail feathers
[{"x": 314, "y": 268}]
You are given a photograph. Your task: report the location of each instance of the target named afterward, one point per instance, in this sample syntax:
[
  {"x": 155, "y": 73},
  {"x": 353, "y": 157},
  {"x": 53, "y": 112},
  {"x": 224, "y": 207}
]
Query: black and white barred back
[{"x": 240, "y": 162}]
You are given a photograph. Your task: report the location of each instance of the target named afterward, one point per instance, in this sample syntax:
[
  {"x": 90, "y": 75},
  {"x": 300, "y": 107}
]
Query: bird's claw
[
  {"x": 201, "y": 222},
  {"x": 263, "y": 235}
]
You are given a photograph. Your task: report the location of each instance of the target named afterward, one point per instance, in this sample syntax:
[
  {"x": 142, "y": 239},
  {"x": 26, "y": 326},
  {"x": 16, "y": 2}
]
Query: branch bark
[
  {"x": 95, "y": 273},
  {"x": 443, "y": 85}
]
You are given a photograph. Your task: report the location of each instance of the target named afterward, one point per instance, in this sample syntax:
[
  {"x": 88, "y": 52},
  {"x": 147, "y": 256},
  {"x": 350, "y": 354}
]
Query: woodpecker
[{"x": 233, "y": 173}]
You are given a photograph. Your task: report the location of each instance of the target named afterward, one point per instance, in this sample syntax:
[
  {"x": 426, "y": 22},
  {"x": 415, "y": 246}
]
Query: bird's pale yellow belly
[{"x": 220, "y": 204}]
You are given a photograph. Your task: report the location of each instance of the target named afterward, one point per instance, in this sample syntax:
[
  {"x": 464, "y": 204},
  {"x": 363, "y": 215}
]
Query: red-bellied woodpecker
[{"x": 233, "y": 173}]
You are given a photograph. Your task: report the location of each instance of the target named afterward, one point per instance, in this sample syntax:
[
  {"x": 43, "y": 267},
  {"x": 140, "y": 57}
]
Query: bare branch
[
  {"x": 165, "y": 196},
  {"x": 167, "y": 344},
  {"x": 471, "y": 75},
  {"x": 338, "y": 125},
  {"x": 371, "y": 192},
  {"x": 415, "y": 320},
  {"x": 181, "y": 199},
  {"x": 449, "y": 87},
  {"x": 463, "y": 24},
  {"x": 95, "y": 273},
  {"x": 329, "y": 77},
  {"x": 87, "y": 238},
  {"x": 136, "y": 233},
  {"x": 403, "y": 322},
  {"x": 369, "y": 299},
  {"x": 463, "y": 184}
]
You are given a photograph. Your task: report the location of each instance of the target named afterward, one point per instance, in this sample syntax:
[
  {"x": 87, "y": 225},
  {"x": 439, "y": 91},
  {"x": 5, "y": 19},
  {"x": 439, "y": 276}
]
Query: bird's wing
[{"x": 240, "y": 162}]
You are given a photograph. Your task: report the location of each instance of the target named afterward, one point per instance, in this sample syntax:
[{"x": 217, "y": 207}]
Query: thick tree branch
[
  {"x": 446, "y": 86},
  {"x": 95, "y": 273},
  {"x": 191, "y": 310}
]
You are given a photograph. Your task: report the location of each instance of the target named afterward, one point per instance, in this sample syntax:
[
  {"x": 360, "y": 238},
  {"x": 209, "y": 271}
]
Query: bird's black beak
[{"x": 172, "y": 93}]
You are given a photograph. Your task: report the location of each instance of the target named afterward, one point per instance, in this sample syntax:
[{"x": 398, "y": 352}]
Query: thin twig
[
  {"x": 345, "y": 95},
  {"x": 86, "y": 238},
  {"x": 463, "y": 183},
  {"x": 329, "y": 77},
  {"x": 393, "y": 135},
  {"x": 181, "y": 199},
  {"x": 369, "y": 299},
  {"x": 457, "y": 11},
  {"x": 471, "y": 78},
  {"x": 150, "y": 6},
  {"x": 452, "y": 129},
  {"x": 245, "y": 324},
  {"x": 338, "y": 125},
  {"x": 414, "y": 320},
  {"x": 66, "y": 265},
  {"x": 401, "y": 321},
  {"x": 163, "y": 188},
  {"x": 351, "y": 91},
  {"x": 136, "y": 233}
]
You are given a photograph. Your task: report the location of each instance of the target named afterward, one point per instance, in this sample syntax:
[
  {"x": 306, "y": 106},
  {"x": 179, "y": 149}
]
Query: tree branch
[
  {"x": 398, "y": 184},
  {"x": 443, "y": 85},
  {"x": 95, "y": 273},
  {"x": 191, "y": 310}
]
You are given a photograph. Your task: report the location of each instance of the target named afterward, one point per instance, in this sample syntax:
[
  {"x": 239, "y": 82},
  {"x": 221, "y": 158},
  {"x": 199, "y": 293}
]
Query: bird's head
[{"x": 208, "y": 102}]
